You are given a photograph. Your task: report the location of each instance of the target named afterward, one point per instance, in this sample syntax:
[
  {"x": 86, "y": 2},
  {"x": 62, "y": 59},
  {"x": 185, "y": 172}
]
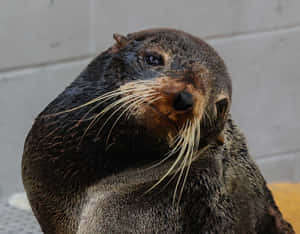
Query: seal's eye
[{"x": 154, "y": 59}]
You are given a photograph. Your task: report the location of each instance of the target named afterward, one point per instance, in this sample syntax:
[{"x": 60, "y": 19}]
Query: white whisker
[{"x": 136, "y": 102}]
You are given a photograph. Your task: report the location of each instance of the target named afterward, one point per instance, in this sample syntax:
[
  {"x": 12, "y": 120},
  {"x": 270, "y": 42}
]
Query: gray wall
[{"x": 44, "y": 44}]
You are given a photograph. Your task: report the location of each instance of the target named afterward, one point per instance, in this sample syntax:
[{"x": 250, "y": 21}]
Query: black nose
[{"x": 183, "y": 101}]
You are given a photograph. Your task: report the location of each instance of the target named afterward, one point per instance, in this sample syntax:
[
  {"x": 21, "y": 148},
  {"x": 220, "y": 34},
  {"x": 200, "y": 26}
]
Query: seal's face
[
  {"x": 160, "y": 93},
  {"x": 171, "y": 80},
  {"x": 170, "y": 83}
]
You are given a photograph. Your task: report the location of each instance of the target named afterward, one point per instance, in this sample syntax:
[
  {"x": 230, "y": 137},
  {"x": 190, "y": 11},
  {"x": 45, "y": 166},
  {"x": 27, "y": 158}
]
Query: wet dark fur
[{"x": 79, "y": 184}]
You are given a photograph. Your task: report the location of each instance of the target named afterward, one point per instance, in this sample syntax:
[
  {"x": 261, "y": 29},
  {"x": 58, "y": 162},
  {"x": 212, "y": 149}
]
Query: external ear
[
  {"x": 222, "y": 106},
  {"x": 222, "y": 109},
  {"x": 121, "y": 40}
]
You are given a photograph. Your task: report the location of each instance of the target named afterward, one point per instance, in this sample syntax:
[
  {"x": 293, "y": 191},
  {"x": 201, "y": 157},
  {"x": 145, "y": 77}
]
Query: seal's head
[
  {"x": 170, "y": 82},
  {"x": 162, "y": 88},
  {"x": 167, "y": 80},
  {"x": 153, "y": 93},
  {"x": 181, "y": 77}
]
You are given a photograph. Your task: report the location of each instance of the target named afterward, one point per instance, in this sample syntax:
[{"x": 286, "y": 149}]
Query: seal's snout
[{"x": 183, "y": 101}]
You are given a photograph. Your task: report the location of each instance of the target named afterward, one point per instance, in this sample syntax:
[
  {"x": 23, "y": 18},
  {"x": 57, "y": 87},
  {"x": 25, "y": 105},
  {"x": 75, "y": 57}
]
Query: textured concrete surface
[
  {"x": 45, "y": 44},
  {"x": 17, "y": 221}
]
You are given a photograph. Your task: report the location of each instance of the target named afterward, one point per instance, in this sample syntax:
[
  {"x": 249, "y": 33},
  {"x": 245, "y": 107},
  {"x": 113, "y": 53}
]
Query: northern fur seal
[{"x": 143, "y": 142}]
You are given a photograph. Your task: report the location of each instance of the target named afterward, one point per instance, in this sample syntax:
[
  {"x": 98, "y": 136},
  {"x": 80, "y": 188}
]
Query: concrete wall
[{"x": 44, "y": 44}]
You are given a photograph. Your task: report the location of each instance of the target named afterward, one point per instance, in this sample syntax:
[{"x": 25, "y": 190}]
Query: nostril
[{"x": 183, "y": 101}]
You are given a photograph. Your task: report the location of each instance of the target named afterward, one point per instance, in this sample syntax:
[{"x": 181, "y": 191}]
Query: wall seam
[
  {"x": 285, "y": 28},
  {"x": 92, "y": 54},
  {"x": 286, "y": 154},
  {"x": 20, "y": 69}
]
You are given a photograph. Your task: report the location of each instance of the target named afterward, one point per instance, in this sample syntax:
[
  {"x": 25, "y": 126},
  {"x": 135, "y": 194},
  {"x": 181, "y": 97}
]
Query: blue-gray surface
[{"x": 17, "y": 221}]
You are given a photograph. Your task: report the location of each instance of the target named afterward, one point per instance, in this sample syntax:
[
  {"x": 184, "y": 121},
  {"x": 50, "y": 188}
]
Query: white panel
[
  {"x": 266, "y": 82},
  {"x": 281, "y": 168},
  {"x": 23, "y": 95},
  {"x": 202, "y": 18},
  {"x": 41, "y": 31}
]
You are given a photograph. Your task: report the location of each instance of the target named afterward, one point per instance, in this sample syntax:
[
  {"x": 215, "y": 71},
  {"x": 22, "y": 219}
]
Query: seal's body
[{"x": 143, "y": 142}]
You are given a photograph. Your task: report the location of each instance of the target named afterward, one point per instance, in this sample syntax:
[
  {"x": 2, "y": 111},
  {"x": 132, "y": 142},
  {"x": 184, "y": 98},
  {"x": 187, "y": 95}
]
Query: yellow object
[{"x": 287, "y": 197}]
